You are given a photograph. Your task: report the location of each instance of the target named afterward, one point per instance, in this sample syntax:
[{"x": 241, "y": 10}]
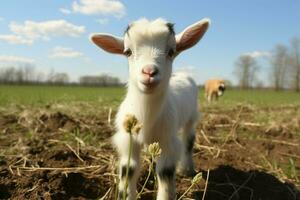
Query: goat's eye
[
  {"x": 128, "y": 52},
  {"x": 171, "y": 53}
]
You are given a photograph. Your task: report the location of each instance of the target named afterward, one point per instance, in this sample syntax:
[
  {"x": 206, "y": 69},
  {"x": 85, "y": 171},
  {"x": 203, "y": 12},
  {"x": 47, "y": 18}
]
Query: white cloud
[
  {"x": 15, "y": 39},
  {"x": 46, "y": 29},
  {"x": 188, "y": 69},
  {"x": 6, "y": 60},
  {"x": 30, "y": 31},
  {"x": 65, "y": 11},
  {"x": 1, "y": 19},
  {"x": 64, "y": 52},
  {"x": 257, "y": 54},
  {"x": 102, "y": 21},
  {"x": 99, "y": 7}
]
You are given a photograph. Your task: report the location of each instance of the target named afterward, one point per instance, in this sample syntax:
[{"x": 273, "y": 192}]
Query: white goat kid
[{"x": 162, "y": 102}]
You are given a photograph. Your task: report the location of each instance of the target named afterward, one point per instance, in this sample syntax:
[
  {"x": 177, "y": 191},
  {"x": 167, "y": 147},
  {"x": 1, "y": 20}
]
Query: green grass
[
  {"x": 43, "y": 95},
  {"x": 259, "y": 97}
]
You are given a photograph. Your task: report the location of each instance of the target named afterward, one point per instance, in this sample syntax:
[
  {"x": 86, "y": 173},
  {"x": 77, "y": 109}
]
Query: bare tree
[
  {"x": 246, "y": 69},
  {"x": 40, "y": 77},
  {"x": 279, "y": 66},
  {"x": 295, "y": 63},
  {"x": 8, "y": 75},
  {"x": 19, "y": 75},
  {"x": 28, "y": 73},
  {"x": 50, "y": 76},
  {"x": 60, "y": 78}
]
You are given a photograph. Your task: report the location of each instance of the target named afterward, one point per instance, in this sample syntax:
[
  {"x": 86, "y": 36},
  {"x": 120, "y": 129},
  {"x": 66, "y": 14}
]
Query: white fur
[{"x": 163, "y": 110}]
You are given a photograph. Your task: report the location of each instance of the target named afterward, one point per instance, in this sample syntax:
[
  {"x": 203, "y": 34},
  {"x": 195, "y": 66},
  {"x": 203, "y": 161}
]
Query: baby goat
[
  {"x": 214, "y": 88},
  {"x": 162, "y": 102}
]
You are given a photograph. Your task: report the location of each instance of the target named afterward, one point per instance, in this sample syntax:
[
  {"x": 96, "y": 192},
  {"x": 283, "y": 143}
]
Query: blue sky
[{"x": 54, "y": 34}]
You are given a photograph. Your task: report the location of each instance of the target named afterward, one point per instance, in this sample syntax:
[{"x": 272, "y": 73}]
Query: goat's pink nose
[{"x": 150, "y": 71}]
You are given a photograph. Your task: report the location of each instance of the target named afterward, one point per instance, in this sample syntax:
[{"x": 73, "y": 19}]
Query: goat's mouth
[
  {"x": 221, "y": 90},
  {"x": 149, "y": 84},
  {"x": 220, "y": 93}
]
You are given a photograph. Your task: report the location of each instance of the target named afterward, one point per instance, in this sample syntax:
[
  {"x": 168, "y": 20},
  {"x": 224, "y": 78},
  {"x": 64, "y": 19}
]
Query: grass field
[
  {"x": 55, "y": 144},
  {"x": 40, "y": 95}
]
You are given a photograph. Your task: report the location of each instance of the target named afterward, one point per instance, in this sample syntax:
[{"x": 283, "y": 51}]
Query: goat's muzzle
[
  {"x": 150, "y": 76},
  {"x": 222, "y": 88}
]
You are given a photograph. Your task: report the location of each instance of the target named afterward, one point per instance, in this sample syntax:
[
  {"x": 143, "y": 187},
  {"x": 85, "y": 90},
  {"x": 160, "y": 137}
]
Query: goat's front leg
[
  {"x": 166, "y": 168},
  {"x": 209, "y": 97},
  {"x": 122, "y": 141},
  {"x": 186, "y": 164}
]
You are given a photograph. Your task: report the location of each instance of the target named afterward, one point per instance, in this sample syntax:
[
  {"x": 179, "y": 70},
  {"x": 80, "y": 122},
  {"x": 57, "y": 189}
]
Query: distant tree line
[
  {"x": 27, "y": 74},
  {"x": 284, "y": 72},
  {"x": 103, "y": 80}
]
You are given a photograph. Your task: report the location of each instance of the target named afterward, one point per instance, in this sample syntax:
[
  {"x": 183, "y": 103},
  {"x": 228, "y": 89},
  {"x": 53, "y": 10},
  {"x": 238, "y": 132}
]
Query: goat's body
[
  {"x": 213, "y": 90},
  {"x": 162, "y": 115}
]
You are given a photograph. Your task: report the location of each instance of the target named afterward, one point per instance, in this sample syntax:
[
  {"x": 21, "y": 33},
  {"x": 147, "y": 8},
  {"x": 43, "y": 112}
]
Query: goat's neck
[{"x": 147, "y": 107}]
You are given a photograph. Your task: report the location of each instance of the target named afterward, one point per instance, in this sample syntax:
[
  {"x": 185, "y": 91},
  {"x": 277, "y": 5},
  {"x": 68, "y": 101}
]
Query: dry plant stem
[
  {"x": 155, "y": 181},
  {"x": 195, "y": 180},
  {"x": 109, "y": 116},
  {"x": 280, "y": 142},
  {"x": 148, "y": 176},
  {"x": 116, "y": 189},
  {"x": 290, "y": 155},
  {"x": 204, "y": 136},
  {"x": 76, "y": 154},
  {"x": 232, "y": 133},
  {"x": 67, "y": 145},
  {"x": 191, "y": 186},
  {"x": 105, "y": 195},
  {"x": 56, "y": 168},
  {"x": 206, "y": 183},
  {"x": 127, "y": 167}
]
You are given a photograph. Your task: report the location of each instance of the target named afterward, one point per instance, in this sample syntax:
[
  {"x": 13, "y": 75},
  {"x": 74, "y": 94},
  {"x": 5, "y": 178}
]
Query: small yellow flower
[
  {"x": 154, "y": 149},
  {"x": 136, "y": 129},
  {"x": 131, "y": 124},
  {"x": 197, "y": 178}
]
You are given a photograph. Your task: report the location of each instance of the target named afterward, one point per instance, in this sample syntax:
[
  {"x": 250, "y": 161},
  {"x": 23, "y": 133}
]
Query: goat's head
[
  {"x": 151, "y": 47},
  {"x": 221, "y": 88}
]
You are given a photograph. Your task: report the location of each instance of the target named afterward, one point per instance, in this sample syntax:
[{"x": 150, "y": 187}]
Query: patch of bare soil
[
  {"x": 54, "y": 155},
  {"x": 226, "y": 182}
]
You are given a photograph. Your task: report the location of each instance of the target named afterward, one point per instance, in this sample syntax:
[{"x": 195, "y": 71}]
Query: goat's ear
[
  {"x": 109, "y": 43},
  {"x": 191, "y": 35}
]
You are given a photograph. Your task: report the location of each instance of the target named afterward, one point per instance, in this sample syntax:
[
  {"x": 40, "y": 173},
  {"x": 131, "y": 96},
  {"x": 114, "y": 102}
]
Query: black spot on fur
[
  {"x": 190, "y": 143},
  {"x": 167, "y": 172},
  {"x": 130, "y": 172},
  {"x": 169, "y": 25},
  {"x": 127, "y": 29},
  {"x": 171, "y": 28}
]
